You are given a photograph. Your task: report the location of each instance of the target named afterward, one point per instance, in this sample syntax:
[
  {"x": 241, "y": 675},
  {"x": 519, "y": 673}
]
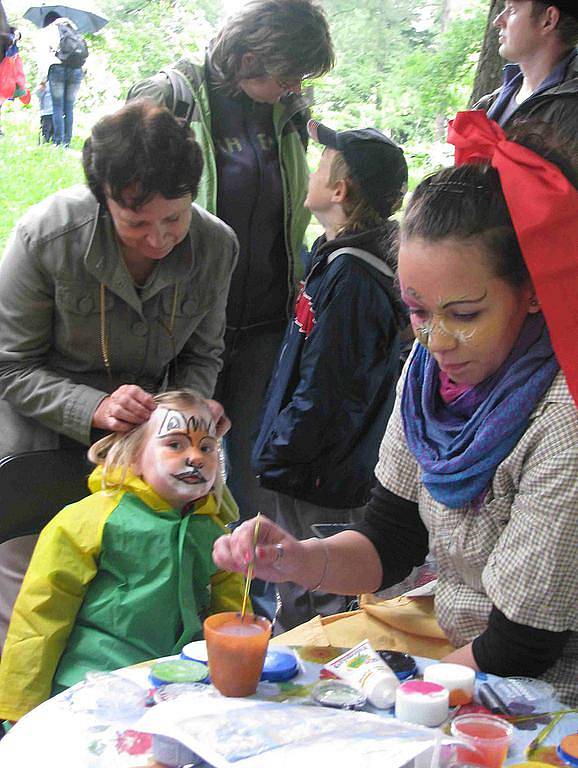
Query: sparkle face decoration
[
  {"x": 179, "y": 458},
  {"x": 464, "y": 315}
]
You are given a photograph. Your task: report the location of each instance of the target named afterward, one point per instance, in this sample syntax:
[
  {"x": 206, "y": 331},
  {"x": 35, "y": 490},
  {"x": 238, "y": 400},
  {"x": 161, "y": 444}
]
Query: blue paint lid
[
  {"x": 568, "y": 749},
  {"x": 279, "y": 666}
]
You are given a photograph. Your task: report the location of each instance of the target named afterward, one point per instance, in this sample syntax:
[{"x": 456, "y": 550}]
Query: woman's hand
[
  {"x": 125, "y": 408},
  {"x": 277, "y": 556},
  {"x": 222, "y": 421}
]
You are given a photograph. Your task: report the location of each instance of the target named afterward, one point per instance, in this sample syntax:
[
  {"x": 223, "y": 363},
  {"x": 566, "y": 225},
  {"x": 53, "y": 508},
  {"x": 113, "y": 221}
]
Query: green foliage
[
  {"x": 438, "y": 78},
  {"x": 142, "y": 38}
]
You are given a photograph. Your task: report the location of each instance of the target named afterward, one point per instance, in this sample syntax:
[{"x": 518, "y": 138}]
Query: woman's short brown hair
[
  {"x": 142, "y": 146},
  {"x": 289, "y": 38}
]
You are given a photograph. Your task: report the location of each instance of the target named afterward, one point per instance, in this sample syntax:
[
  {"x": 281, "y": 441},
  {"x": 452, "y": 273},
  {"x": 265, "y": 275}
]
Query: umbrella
[{"x": 84, "y": 13}]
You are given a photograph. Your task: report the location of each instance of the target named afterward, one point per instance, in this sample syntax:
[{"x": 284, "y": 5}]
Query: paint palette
[{"x": 524, "y": 695}]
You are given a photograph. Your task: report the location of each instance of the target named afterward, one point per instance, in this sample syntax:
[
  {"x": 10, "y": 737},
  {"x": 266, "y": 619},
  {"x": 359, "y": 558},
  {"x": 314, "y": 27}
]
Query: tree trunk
[{"x": 489, "y": 71}]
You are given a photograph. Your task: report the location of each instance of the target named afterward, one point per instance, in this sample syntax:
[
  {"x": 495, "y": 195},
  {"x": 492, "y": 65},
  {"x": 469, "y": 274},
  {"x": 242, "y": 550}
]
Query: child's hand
[
  {"x": 125, "y": 408},
  {"x": 277, "y": 556}
]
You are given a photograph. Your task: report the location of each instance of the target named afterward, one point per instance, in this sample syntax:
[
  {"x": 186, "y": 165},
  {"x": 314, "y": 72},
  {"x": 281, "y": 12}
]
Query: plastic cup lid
[
  {"x": 177, "y": 671},
  {"x": 339, "y": 695},
  {"x": 195, "y": 651}
]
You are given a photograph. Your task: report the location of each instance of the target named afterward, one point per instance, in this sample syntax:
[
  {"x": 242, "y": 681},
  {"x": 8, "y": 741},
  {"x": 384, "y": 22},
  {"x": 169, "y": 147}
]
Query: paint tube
[{"x": 361, "y": 666}]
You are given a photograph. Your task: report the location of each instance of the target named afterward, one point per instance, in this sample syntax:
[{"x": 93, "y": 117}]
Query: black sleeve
[
  {"x": 395, "y": 529},
  {"x": 507, "y": 648}
]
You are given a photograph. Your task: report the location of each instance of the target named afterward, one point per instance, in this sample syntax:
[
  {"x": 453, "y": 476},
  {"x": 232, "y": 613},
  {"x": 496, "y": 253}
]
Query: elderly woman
[{"x": 111, "y": 292}]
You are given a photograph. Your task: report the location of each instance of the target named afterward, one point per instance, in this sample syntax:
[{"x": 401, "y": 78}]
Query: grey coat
[{"x": 169, "y": 332}]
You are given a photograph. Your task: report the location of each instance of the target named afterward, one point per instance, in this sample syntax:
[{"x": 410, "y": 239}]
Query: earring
[{"x": 534, "y": 302}]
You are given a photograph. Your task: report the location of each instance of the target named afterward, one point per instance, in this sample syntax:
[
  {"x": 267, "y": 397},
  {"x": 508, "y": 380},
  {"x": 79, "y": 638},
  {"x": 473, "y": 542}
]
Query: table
[{"x": 53, "y": 735}]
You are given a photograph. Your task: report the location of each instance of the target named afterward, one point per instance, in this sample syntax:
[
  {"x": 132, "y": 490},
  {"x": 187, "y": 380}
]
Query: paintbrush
[
  {"x": 249, "y": 576},
  {"x": 535, "y": 743}
]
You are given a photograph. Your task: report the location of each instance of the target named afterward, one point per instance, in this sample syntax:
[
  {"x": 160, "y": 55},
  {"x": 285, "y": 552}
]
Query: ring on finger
[{"x": 279, "y": 553}]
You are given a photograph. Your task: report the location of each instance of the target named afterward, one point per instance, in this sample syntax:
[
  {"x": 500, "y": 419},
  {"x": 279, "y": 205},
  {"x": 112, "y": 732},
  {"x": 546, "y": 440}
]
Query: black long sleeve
[
  {"x": 395, "y": 529},
  {"x": 507, "y": 648}
]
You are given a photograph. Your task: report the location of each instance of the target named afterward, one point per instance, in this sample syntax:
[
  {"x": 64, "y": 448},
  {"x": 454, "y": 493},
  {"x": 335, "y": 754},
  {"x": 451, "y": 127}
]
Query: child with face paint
[
  {"x": 126, "y": 574},
  {"x": 480, "y": 457},
  {"x": 333, "y": 387}
]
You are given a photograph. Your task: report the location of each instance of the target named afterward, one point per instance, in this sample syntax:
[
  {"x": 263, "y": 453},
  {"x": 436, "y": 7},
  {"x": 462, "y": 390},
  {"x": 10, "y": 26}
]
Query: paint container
[
  {"x": 362, "y": 667},
  {"x": 458, "y": 679},
  {"x": 568, "y": 749},
  {"x": 177, "y": 671},
  {"x": 404, "y": 665},
  {"x": 236, "y": 649},
  {"x": 484, "y": 739},
  {"x": 422, "y": 703},
  {"x": 524, "y": 695},
  {"x": 280, "y": 664},
  {"x": 338, "y": 695}
]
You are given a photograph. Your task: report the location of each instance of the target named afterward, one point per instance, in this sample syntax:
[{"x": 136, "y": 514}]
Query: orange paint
[
  {"x": 459, "y": 697},
  {"x": 236, "y": 651},
  {"x": 487, "y": 739}
]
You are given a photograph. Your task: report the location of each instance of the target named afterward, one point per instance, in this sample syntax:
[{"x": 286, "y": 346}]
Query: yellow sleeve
[
  {"x": 227, "y": 592},
  {"x": 63, "y": 564}
]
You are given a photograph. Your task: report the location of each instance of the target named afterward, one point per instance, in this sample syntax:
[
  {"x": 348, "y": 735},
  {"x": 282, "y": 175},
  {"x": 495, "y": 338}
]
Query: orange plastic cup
[
  {"x": 236, "y": 651},
  {"x": 487, "y": 739}
]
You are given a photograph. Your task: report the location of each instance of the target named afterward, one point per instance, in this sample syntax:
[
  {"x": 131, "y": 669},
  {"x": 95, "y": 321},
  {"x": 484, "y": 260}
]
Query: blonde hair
[
  {"x": 118, "y": 451},
  {"x": 360, "y": 215}
]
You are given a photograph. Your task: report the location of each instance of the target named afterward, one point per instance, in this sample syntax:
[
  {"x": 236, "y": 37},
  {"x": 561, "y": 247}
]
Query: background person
[
  {"x": 110, "y": 293},
  {"x": 481, "y": 453},
  {"x": 542, "y": 84},
  {"x": 91, "y": 598},
  {"x": 250, "y": 120},
  {"x": 333, "y": 387},
  {"x": 64, "y": 80},
  {"x": 45, "y": 107}
]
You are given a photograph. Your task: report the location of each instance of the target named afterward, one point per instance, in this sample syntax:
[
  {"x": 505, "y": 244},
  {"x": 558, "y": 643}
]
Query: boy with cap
[{"x": 333, "y": 387}]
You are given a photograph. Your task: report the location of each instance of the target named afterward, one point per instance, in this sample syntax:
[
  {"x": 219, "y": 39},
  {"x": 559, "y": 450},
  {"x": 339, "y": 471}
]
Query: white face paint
[
  {"x": 425, "y": 331},
  {"x": 179, "y": 458},
  {"x": 466, "y": 316}
]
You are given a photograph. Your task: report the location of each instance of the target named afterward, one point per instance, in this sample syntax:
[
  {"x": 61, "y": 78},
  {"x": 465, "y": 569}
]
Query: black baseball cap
[{"x": 375, "y": 162}]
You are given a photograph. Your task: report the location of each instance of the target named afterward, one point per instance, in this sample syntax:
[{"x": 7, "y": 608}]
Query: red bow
[{"x": 543, "y": 206}]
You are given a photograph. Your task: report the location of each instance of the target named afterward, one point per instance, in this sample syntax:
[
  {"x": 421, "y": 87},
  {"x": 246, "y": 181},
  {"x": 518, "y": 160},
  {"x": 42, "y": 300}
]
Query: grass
[{"x": 30, "y": 171}]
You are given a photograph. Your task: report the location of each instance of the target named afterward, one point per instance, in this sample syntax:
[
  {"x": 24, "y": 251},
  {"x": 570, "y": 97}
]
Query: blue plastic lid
[
  {"x": 279, "y": 666},
  {"x": 568, "y": 749}
]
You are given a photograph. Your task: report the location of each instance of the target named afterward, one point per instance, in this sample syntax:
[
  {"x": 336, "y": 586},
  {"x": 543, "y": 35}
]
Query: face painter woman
[
  {"x": 110, "y": 293},
  {"x": 480, "y": 458}
]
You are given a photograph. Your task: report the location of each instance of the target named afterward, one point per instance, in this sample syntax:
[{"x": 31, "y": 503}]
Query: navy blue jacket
[{"x": 333, "y": 388}]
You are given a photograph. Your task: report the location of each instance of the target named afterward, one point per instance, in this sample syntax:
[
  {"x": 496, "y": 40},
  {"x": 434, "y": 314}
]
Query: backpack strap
[
  {"x": 183, "y": 101},
  {"x": 368, "y": 258}
]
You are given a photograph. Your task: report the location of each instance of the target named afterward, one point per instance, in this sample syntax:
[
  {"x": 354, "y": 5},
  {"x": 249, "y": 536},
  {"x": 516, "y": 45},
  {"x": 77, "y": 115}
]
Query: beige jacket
[{"x": 61, "y": 265}]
